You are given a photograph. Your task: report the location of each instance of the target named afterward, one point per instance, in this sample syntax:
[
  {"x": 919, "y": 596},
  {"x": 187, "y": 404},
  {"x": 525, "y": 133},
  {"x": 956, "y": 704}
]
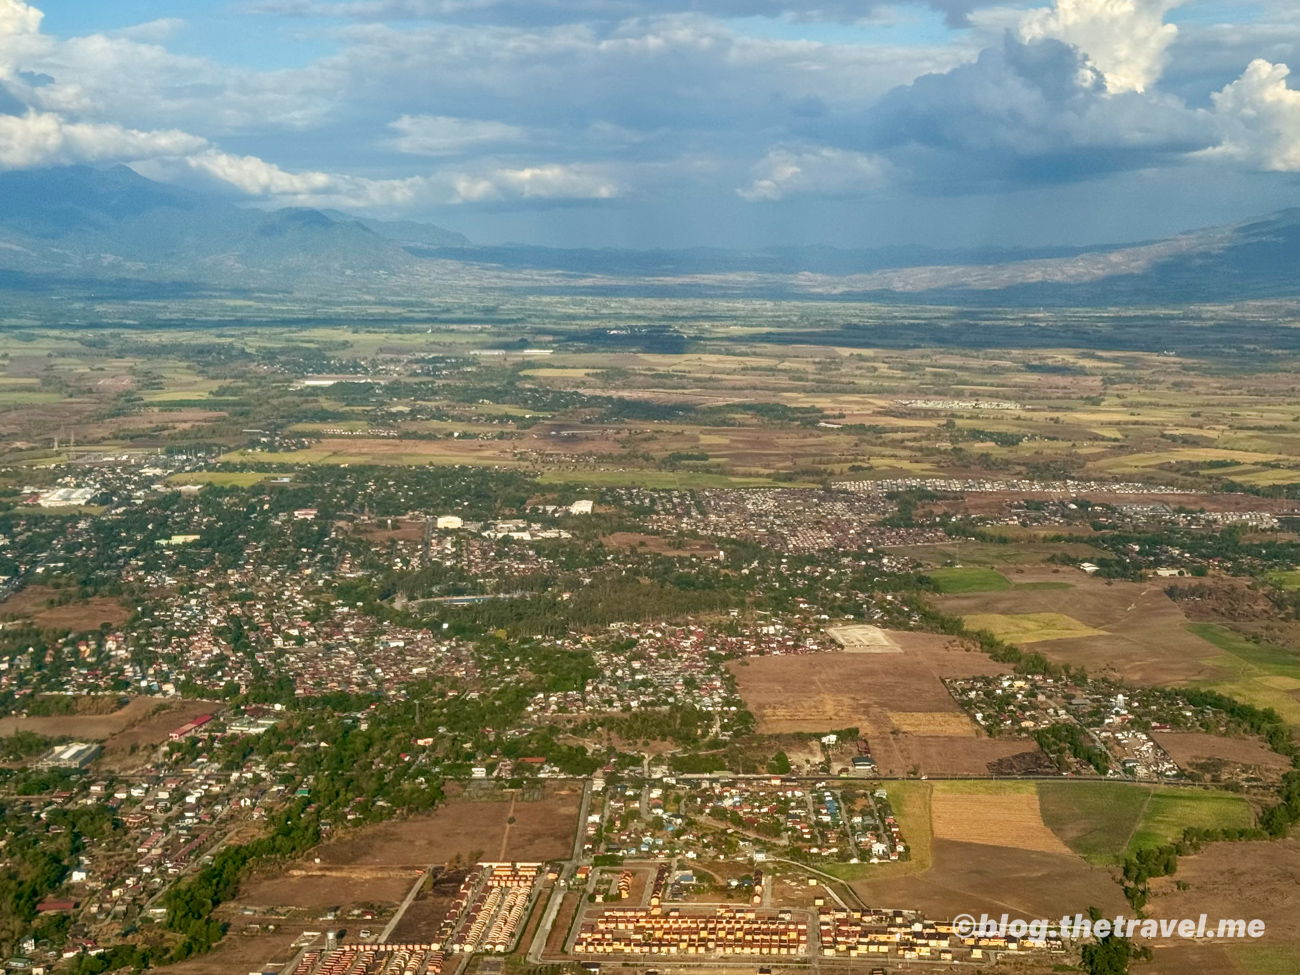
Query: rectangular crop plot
[
  {"x": 1030, "y": 627},
  {"x": 957, "y": 580}
]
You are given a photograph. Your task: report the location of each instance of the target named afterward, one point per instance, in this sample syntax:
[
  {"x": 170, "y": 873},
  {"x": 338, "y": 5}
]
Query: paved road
[{"x": 410, "y": 896}]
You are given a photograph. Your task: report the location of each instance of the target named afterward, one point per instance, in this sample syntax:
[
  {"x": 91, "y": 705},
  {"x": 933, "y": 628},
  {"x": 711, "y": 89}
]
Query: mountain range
[{"x": 72, "y": 228}]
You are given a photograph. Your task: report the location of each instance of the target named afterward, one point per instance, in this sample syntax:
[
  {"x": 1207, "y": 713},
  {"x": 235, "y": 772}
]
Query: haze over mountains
[{"x": 79, "y": 227}]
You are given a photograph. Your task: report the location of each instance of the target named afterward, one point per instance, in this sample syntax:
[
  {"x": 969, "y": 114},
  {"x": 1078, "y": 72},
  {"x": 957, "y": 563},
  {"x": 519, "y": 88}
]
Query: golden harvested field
[
  {"x": 1030, "y": 627},
  {"x": 941, "y": 724},
  {"x": 992, "y": 814}
]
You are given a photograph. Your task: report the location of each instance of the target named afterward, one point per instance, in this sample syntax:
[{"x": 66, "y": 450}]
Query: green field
[
  {"x": 1170, "y": 811},
  {"x": 682, "y": 480},
  {"x": 227, "y": 478},
  {"x": 1263, "y": 675},
  {"x": 1265, "y": 959},
  {"x": 956, "y": 580},
  {"x": 1284, "y": 578},
  {"x": 1094, "y": 819}
]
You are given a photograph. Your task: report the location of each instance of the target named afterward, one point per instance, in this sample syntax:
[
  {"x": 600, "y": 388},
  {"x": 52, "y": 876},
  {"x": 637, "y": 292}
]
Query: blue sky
[{"x": 651, "y": 123}]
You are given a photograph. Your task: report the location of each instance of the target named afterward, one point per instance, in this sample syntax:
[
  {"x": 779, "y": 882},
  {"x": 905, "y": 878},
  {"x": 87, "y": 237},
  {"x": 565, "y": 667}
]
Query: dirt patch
[
  {"x": 423, "y": 919},
  {"x": 1144, "y": 639},
  {"x": 87, "y": 727},
  {"x": 402, "y": 531},
  {"x": 33, "y": 603},
  {"x": 248, "y": 950},
  {"x": 659, "y": 544},
  {"x": 1193, "y": 749},
  {"x": 315, "y": 890},
  {"x": 973, "y": 878},
  {"x": 902, "y": 754},
  {"x": 823, "y": 691},
  {"x": 1006, "y": 818},
  {"x": 470, "y": 830},
  {"x": 1237, "y": 880},
  {"x": 134, "y": 744}
]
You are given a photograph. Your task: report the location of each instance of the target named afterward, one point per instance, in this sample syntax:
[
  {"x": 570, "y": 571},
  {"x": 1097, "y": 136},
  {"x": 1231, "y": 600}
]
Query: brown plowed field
[
  {"x": 542, "y": 830},
  {"x": 898, "y": 701},
  {"x": 1145, "y": 637},
  {"x": 1187, "y": 749},
  {"x": 972, "y": 878}
]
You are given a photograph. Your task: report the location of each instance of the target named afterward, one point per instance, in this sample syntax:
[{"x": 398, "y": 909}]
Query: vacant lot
[
  {"x": 1189, "y": 749},
  {"x": 1095, "y": 819},
  {"x": 247, "y": 950},
  {"x": 470, "y": 830},
  {"x": 963, "y": 580},
  {"x": 1237, "y": 880},
  {"x": 134, "y": 744},
  {"x": 1134, "y": 630},
  {"x": 975, "y": 878},
  {"x": 897, "y": 700},
  {"x": 992, "y": 814},
  {"x": 89, "y": 727},
  {"x": 36, "y": 603},
  {"x": 823, "y": 691}
]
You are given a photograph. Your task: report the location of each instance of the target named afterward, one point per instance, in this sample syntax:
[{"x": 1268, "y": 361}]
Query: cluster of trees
[
  {"x": 1068, "y": 739},
  {"x": 190, "y": 904}
]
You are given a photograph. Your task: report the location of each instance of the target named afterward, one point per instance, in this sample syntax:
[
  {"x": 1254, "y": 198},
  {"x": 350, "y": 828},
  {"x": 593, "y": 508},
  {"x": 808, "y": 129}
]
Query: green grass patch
[
  {"x": 1260, "y": 674},
  {"x": 1094, "y": 819},
  {"x": 1265, "y": 959},
  {"x": 1284, "y": 578},
  {"x": 955, "y": 581},
  {"x": 1170, "y": 811},
  {"x": 227, "y": 478},
  {"x": 683, "y": 480}
]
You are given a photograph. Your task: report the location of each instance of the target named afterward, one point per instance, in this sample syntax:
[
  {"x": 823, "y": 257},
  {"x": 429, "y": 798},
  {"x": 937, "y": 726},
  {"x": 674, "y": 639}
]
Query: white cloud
[
  {"x": 445, "y": 135},
  {"x": 1260, "y": 116},
  {"x": 1127, "y": 40},
  {"x": 45, "y": 139},
  {"x": 819, "y": 171},
  {"x": 550, "y": 182},
  {"x": 17, "y": 17}
]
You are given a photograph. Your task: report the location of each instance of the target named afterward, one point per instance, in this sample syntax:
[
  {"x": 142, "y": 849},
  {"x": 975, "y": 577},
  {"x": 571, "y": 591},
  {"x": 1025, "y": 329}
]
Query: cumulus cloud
[
  {"x": 1027, "y": 112},
  {"x": 45, "y": 139},
  {"x": 17, "y": 17},
  {"x": 1127, "y": 40},
  {"x": 815, "y": 171},
  {"x": 1260, "y": 116},
  {"x": 445, "y": 135},
  {"x": 550, "y": 182}
]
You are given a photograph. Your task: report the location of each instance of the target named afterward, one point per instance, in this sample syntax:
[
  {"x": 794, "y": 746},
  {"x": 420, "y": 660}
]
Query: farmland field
[
  {"x": 992, "y": 814},
  {"x": 1170, "y": 811},
  {"x": 1030, "y": 627},
  {"x": 962, "y": 580},
  {"x": 1095, "y": 819}
]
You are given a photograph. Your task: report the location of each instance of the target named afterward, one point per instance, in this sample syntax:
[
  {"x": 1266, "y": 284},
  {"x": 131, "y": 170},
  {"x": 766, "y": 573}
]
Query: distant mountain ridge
[{"x": 114, "y": 231}]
